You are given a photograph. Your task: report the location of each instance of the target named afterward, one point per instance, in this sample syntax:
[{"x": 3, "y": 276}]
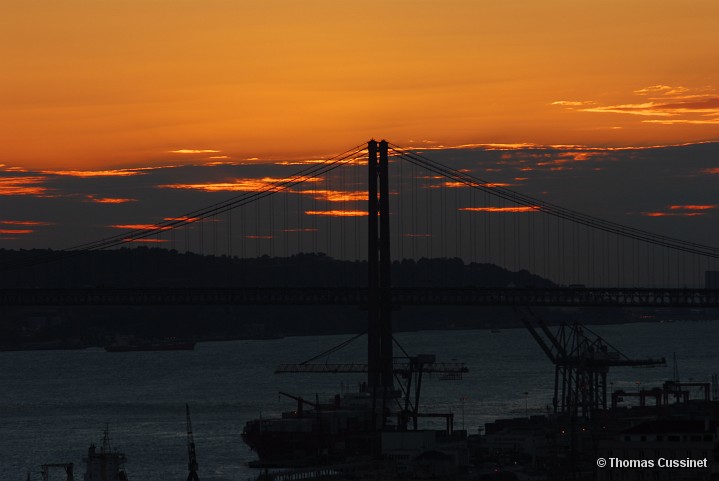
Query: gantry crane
[
  {"x": 407, "y": 372},
  {"x": 582, "y": 360}
]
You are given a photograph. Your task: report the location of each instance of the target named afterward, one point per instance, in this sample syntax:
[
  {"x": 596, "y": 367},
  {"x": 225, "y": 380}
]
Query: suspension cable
[
  {"x": 198, "y": 215},
  {"x": 553, "y": 209}
]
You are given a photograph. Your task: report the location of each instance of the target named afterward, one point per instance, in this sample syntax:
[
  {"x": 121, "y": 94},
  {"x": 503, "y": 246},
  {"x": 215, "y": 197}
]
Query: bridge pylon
[{"x": 379, "y": 329}]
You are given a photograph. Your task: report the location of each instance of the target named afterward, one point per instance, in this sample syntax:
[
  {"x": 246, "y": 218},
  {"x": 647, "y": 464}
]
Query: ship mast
[{"x": 192, "y": 457}]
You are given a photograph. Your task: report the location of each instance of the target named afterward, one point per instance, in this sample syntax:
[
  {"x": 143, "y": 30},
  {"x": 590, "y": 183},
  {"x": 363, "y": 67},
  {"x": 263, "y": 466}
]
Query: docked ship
[
  {"x": 352, "y": 425},
  {"x": 334, "y": 431},
  {"x": 141, "y": 345}
]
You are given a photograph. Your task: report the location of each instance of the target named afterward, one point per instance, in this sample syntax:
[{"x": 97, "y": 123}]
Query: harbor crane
[
  {"x": 582, "y": 360},
  {"x": 408, "y": 373},
  {"x": 68, "y": 467},
  {"x": 191, "y": 455}
]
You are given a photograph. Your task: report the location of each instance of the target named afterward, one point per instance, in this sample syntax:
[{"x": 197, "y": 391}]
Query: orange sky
[{"x": 113, "y": 83}]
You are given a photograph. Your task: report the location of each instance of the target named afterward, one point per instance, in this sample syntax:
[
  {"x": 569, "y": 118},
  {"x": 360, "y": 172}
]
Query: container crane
[{"x": 582, "y": 360}]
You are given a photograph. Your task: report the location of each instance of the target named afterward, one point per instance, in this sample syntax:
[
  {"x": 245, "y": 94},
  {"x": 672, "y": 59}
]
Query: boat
[
  {"x": 314, "y": 432},
  {"x": 106, "y": 464},
  {"x": 145, "y": 345}
]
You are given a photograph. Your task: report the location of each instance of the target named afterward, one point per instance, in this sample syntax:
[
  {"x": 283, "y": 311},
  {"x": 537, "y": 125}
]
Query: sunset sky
[
  {"x": 91, "y": 88},
  {"x": 90, "y": 84}
]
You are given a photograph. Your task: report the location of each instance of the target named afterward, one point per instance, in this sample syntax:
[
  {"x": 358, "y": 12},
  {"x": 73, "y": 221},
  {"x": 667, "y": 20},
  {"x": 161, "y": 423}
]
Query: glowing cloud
[
  {"x": 183, "y": 218},
  {"x": 94, "y": 173},
  {"x": 571, "y": 103},
  {"x": 338, "y": 213},
  {"x": 501, "y": 209},
  {"x": 238, "y": 185},
  {"x": 672, "y": 214},
  {"x": 661, "y": 89},
  {"x": 492, "y": 146},
  {"x": 25, "y": 222},
  {"x": 692, "y": 207},
  {"x": 296, "y": 162},
  {"x": 337, "y": 195},
  {"x": 194, "y": 151},
  {"x": 16, "y": 231},
  {"x": 214, "y": 187},
  {"x": 689, "y": 210},
  {"x": 219, "y": 163},
  {"x": 27, "y": 185},
  {"x": 647, "y": 109},
  {"x": 684, "y": 121},
  {"x": 108, "y": 200},
  {"x": 673, "y": 105},
  {"x": 570, "y": 157},
  {"x": 138, "y": 227}
]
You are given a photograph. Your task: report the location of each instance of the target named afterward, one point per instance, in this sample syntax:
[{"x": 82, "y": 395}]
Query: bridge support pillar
[{"x": 379, "y": 333}]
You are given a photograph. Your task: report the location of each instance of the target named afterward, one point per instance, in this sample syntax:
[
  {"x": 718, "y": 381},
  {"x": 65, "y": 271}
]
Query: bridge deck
[
  {"x": 576, "y": 297},
  {"x": 399, "y": 368}
]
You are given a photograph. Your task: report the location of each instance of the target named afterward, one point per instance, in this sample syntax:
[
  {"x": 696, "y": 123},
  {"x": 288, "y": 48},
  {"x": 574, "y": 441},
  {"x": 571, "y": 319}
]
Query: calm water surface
[{"x": 54, "y": 404}]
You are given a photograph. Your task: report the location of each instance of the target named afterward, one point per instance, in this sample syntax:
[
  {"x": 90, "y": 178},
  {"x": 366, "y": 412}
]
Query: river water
[{"x": 54, "y": 404}]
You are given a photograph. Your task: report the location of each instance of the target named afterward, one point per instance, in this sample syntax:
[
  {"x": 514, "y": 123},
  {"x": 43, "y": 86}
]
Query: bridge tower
[{"x": 379, "y": 331}]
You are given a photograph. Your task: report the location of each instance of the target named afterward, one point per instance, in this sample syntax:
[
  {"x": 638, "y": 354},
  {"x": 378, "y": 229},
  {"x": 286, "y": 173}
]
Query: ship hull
[
  {"x": 175, "y": 346},
  {"x": 297, "y": 441}
]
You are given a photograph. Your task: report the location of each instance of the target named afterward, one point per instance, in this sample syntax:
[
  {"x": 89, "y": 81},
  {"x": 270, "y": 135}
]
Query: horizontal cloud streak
[
  {"x": 500, "y": 209},
  {"x": 195, "y": 151},
  {"x": 26, "y": 185},
  {"x": 669, "y": 105},
  {"x": 338, "y": 213},
  {"x": 337, "y": 195},
  {"x": 138, "y": 226},
  {"x": 25, "y": 222},
  {"x": 108, "y": 200},
  {"x": 94, "y": 173},
  {"x": 237, "y": 185}
]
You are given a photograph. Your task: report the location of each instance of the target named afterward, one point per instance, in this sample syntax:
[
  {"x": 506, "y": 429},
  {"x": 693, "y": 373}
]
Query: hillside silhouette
[
  {"x": 154, "y": 267},
  {"x": 31, "y": 327}
]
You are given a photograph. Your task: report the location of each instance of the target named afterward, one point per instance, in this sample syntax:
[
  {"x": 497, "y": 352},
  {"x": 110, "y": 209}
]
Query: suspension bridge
[{"x": 430, "y": 211}]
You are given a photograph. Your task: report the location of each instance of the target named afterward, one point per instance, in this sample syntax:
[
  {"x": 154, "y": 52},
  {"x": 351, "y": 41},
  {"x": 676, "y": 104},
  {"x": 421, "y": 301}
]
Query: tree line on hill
[{"x": 156, "y": 267}]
